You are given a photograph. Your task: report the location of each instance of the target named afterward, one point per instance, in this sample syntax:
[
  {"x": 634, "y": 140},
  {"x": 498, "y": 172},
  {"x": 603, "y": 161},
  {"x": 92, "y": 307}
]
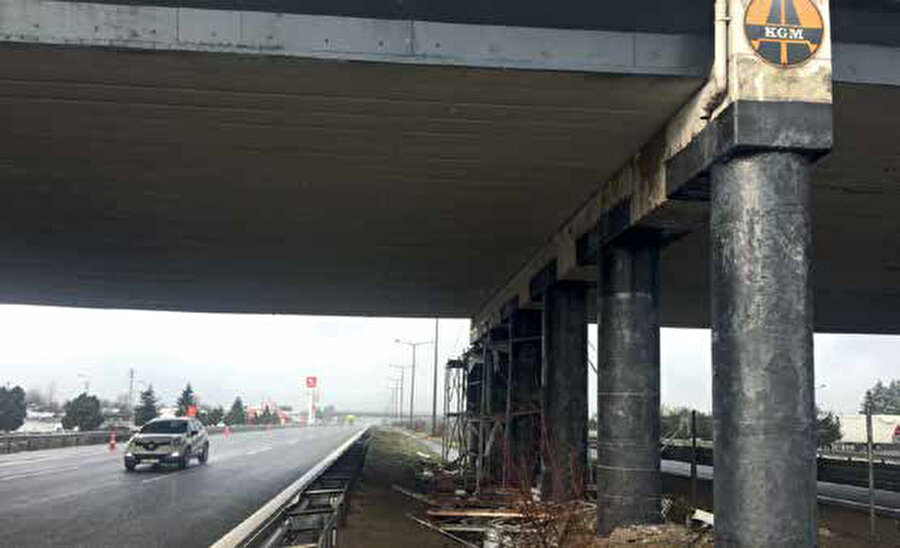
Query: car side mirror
[{"x": 194, "y": 433}]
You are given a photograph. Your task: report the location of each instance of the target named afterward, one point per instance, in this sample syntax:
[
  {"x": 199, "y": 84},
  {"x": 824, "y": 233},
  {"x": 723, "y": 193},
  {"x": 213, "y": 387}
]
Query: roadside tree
[
  {"x": 12, "y": 408},
  {"x": 212, "y": 416},
  {"x": 237, "y": 414},
  {"x": 885, "y": 398},
  {"x": 147, "y": 409},
  {"x": 185, "y": 400},
  {"x": 83, "y": 412},
  {"x": 828, "y": 428}
]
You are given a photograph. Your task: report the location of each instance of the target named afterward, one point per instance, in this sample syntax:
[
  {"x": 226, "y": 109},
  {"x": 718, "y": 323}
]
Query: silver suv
[{"x": 168, "y": 440}]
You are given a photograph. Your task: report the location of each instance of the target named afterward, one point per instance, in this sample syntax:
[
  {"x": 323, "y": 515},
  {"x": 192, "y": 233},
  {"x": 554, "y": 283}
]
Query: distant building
[
  {"x": 885, "y": 429},
  {"x": 41, "y": 421},
  {"x": 168, "y": 411}
]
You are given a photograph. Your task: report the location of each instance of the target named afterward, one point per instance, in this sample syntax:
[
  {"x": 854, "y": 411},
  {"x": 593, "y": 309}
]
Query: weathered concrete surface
[
  {"x": 628, "y": 379},
  {"x": 564, "y": 391},
  {"x": 762, "y": 339}
]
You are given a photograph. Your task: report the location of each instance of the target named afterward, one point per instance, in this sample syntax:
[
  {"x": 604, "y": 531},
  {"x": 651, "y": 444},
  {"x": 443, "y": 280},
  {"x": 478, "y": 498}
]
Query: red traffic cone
[{"x": 112, "y": 440}]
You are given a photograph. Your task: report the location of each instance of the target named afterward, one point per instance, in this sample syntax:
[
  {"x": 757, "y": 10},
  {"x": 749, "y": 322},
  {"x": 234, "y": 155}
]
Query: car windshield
[{"x": 165, "y": 427}]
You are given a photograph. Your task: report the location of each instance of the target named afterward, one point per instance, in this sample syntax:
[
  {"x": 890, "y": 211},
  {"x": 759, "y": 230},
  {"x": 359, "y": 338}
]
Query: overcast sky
[{"x": 266, "y": 356}]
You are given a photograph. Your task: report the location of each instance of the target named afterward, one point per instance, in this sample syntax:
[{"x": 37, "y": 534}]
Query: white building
[{"x": 885, "y": 429}]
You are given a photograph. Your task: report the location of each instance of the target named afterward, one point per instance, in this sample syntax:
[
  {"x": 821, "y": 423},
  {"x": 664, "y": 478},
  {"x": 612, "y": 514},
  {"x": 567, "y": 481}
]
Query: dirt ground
[
  {"x": 378, "y": 514},
  {"x": 377, "y": 517}
]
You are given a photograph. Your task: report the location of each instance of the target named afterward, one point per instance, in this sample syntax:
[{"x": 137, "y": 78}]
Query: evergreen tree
[
  {"x": 12, "y": 408},
  {"x": 82, "y": 412},
  {"x": 828, "y": 428},
  {"x": 148, "y": 409},
  {"x": 265, "y": 417},
  {"x": 237, "y": 413},
  {"x": 212, "y": 416},
  {"x": 885, "y": 399},
  {"x": 185, "y": 400}
]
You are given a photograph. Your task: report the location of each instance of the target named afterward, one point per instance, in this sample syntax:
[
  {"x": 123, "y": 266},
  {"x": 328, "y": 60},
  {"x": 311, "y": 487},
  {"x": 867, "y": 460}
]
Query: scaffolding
[
  {"x": 481, "y": 411},
  {"x": 453, "y": 436}
]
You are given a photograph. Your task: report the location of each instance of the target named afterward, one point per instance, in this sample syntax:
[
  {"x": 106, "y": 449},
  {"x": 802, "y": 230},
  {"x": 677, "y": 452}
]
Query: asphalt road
[
  {"x": 82, "y": 496},
  {"x": 849, "y": 496}
]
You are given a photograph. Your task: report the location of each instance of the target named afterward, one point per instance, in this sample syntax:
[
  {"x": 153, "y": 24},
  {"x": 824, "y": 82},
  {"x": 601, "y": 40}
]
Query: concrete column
[
  {"x": 628, "y": 477},
  {"x": 525, "y": 330},
  {"x": 564, "y": 389},
  {"x": 762, "y": 342}
]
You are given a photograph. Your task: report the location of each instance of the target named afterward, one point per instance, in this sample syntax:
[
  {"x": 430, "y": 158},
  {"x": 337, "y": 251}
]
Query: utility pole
[
  {"x": 412, "y": 375},
  {"x": 434, "y": 382},
  {"x": 394, "y": 387},
  {"x": 402, "y": 369},
  {"x": 130, "y": 412},
  {"x": 87, "y": 382}
]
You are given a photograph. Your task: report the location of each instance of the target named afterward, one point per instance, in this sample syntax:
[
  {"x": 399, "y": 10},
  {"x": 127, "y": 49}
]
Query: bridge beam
[
  {"x": 628, "y": 379},
  {"x": 762, "y": 321},
  {"x": 564, "y": 382}
]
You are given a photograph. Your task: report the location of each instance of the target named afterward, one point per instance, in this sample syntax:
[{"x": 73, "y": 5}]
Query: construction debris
[
  {"x": 413, "y": 495},
  {"x": 444, "y": 532}
]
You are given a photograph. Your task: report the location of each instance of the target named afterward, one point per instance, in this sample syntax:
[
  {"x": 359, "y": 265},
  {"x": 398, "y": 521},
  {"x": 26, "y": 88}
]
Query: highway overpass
[{"x": 480, "y": 159}]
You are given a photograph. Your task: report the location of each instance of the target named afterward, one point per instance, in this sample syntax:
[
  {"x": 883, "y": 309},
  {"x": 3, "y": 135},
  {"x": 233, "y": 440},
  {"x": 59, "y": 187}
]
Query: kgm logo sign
[{"x": 784, "y": 32}]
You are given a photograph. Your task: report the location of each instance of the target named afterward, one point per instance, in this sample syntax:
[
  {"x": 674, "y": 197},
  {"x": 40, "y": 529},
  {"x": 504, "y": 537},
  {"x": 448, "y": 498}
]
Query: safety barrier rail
[
  {"x": 14, "y": 443},
  {"x": 308, "y": 513}
]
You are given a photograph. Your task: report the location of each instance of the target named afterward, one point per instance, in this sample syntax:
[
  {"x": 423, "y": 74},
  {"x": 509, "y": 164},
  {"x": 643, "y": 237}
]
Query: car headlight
[{"x": 174, "y": 454}]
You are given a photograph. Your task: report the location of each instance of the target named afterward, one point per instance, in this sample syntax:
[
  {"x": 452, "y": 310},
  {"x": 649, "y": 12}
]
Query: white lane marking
[
  {"x": 24, "y": 462},
  {"x": 258, "y": 451},
  {"x": 36, "y": 474},
  {"x": 294, "y": 442},
  {"x": 157, "y": 478}
]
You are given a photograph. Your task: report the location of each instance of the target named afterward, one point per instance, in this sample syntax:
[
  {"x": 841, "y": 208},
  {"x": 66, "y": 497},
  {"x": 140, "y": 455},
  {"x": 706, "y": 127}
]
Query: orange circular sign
[{"x": 784, "y": 32}]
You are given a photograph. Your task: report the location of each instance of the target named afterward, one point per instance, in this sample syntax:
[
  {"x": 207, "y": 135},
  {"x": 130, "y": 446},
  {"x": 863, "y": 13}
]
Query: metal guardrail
[
  {"x": 831, "y": 468},
  {"x": 15, "y": 443},
  {"x": 309, "y": 510}
]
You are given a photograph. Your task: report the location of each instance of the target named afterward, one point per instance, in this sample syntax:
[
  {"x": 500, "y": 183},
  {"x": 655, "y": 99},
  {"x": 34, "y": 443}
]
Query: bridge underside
[
  {"x": 207, "y": 182},
  {"x": 194, "y": 181}
]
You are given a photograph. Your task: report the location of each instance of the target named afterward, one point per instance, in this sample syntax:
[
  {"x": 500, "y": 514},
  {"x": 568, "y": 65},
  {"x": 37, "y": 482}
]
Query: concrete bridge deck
[
  {"x": 483, "y": 159},
  {"x": 145, "y": 167}
]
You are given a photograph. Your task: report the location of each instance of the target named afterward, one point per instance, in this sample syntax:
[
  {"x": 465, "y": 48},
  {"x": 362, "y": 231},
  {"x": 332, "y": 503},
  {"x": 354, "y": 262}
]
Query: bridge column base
[{"x": 762, "y": 342}]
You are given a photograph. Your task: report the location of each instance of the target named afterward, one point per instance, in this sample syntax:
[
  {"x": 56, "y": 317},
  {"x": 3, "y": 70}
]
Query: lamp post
[{"x": 412, "y": 374}]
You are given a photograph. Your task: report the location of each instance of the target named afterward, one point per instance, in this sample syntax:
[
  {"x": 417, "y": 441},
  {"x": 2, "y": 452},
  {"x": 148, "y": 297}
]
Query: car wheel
[
  {"x": 129, "y": 466},
  {"x": 204, "y": 455},
  {"x": 185, "y": 459}
]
